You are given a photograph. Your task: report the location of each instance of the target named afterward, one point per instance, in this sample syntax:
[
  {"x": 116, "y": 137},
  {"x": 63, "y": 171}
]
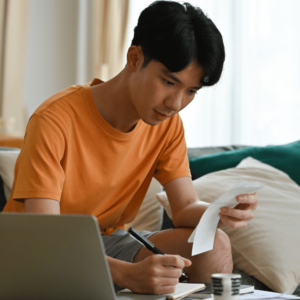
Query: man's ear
[{"x": 135, "y": 58}]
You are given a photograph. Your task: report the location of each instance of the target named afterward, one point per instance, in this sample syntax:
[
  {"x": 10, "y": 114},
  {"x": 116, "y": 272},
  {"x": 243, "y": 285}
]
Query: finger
[
  {"x": 232, "y": 223},
  {"x": 158, "y": 287},
  {"x": 246, "y": 195},
  {"x": 249, "y": 199},
  {"x": 238, "y": 213},
  {"x": 170, "y": 272},
  {"x": 173, "y": 261},
  {"x": 165, "y": 290},
  {"x": 245, "y": 206},
  {"x": 187, "y": 262},
  {"x": 167, "y": 281}
]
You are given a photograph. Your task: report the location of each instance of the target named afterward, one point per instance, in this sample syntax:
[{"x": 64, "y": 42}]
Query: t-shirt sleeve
[
  {"x": 173, "y": 162},
  {"x": 40, "y": 173}
]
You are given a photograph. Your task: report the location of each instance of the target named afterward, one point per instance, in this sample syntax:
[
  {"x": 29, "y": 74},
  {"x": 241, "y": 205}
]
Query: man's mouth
[
  {"x": 164, "y": 115},
  {"x": 160, "y": 116}
]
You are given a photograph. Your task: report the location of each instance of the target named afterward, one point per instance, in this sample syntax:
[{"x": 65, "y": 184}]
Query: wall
[{"x": 52, "y": 61}]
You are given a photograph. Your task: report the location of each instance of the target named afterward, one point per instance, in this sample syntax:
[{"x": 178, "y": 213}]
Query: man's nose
[{"x": 174, "y": 103}]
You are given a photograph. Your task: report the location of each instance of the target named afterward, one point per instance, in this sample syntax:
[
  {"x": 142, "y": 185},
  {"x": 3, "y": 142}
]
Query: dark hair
[{"x": 178, "y": 34}]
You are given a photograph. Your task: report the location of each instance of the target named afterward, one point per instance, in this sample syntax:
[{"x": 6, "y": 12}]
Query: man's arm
[
  {"x": 187, "y": 209},
  {"x": 42, "y": 206},
  {"x": 151, "y": 275}
]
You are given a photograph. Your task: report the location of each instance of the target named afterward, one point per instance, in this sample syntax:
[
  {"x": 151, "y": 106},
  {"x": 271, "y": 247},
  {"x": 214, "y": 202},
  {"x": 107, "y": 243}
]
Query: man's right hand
[{"x": 156, "y": 274}]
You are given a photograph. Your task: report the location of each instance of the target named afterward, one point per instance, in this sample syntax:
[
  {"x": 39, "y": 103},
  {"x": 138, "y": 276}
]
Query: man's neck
[{"x": 112, "y": 99}]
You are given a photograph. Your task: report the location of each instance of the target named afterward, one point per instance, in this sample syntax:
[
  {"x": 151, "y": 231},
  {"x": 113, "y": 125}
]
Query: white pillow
[
  {"x": 8, "y": 160},
  {"x": 150, "y": 215},
  {"x": 268, "y": 247}
]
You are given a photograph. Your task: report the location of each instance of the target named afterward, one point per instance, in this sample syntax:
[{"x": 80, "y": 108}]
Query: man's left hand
[{"x": 240, "y": 215}]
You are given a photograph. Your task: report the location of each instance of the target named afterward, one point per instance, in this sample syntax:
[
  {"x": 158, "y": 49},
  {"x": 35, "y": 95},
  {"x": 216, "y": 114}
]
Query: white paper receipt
[{"x": 204, "y": 234}]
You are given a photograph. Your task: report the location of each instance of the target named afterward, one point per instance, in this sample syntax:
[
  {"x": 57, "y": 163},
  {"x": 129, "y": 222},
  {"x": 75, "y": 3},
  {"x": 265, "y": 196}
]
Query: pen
[{"x": 147, "y": 244}]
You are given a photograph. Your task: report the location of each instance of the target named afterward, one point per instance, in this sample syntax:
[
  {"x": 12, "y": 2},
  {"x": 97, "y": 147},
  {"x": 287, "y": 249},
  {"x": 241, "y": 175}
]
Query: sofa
[
  {"x": 234, "y": 154},
  {"x": 266, "y": 251},
  {"x": 221, "y": 162}
]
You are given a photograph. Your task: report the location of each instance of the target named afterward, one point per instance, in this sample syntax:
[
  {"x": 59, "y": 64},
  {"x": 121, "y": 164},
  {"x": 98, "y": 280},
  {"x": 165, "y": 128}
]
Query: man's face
[{"x": 158, "y": 94}]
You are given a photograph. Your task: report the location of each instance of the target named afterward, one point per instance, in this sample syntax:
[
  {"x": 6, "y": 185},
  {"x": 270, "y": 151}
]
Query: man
[{"x": 94, "y": 149}]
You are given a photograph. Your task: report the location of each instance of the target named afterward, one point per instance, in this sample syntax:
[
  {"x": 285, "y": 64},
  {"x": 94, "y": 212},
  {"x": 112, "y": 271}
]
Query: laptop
[{"x": 58, "y": 257}]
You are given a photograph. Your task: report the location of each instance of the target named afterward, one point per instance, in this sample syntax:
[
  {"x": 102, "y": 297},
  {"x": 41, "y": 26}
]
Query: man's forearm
[
  {"x": 118, "y": 270},
  {"x": 190, "y": 215}
]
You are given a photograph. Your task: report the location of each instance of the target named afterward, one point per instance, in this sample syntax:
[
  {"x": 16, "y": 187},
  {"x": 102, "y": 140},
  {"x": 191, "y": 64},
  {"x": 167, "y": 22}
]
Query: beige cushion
[
  {"x": 150, "y": 215},
  {"x": 268, "y": 247},
  {"x": 8, "y": 160}
]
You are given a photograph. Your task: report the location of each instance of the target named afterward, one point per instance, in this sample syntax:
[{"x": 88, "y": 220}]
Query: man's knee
[
  {"x": 222, "y": 240},
  {"x": 223, "y": 246}
]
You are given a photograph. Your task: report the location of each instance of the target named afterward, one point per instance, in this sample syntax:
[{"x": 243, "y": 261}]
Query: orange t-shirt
[{"x": 72, "y": 155}]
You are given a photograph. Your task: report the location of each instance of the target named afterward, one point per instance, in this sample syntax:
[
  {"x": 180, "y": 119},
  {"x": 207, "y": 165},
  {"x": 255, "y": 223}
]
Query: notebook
[{"x": 182, "y": 290}]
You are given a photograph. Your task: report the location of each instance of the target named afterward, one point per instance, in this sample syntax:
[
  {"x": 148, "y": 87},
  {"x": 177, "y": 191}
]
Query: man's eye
[
  {"x": 193, "y": 92},
  {"x": 169, "y": 82}
]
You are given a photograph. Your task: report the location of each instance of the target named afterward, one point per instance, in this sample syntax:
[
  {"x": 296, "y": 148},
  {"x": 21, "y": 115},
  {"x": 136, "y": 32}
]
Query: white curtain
[
  {"x": 257, "y": 101},
  {"x": 13, "y": 25},
  {"x": 110, "y": 28},
  {"x": 270, "y": 89}
]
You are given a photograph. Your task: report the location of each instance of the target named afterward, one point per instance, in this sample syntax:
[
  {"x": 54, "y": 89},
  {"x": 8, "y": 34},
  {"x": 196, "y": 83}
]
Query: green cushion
[{"x": 283, "y": 157}]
